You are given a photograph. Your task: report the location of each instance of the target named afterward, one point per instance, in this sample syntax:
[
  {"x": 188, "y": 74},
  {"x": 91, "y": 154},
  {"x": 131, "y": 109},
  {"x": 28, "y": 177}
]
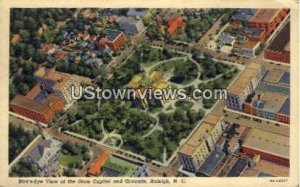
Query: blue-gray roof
[
  {"x": 250, "y": 11},
  {"x": 241, "y": 17},
  {"x": 111, "y": 34},
  {"x": 285, "y": 79},
  {"x": 225, "y": 38},
  {"x": 137, "y": 12},
  {"x": 272, "y": 88},
  {"x": 38, "y": 151},
  {"x": 262, "y": 174},
  {"x": 285, "y": 108},
  {"x": 211, "y": 162},
  {"x": 237, "y": 168},
  {"x": 254, "y": 31}
]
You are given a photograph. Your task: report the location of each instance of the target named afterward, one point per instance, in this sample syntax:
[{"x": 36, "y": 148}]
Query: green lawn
[
  {"x": 184, "y": 71},
  {"x": 66, "y": 160}
]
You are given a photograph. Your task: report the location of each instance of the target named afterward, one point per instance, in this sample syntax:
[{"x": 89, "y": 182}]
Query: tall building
[
  {"x": 267, "y": 19},
  {"x": 270, "y": 146},
  {"x": 244, "y": 86},
  {"x": 60, "y": 84},
  {"x": 130, "y": 24},
  {"x": 201, "y": 143},
  {"x": 279, "y": 48}
]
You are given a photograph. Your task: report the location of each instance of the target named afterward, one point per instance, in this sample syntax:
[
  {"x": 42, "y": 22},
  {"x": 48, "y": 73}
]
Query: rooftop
[
  {"x": 129, "y": 20},
  {"x": 245, "y": 77},
  {"x": 250, "y": 44},
  {"x": 264, "y": 87},
  {"x": 123, "y": 167},
  {"x": 281, "y": 41},
  {"x": 264, "y": 15},
  {"x": 196, "y": 139},
  {"x": 274, "y": 76},
  {"x": 112, "y": 35},
  {"x": 95, "y": 167},
  {"x": 268, "y": 142},
  {"x": 237, "y": 169},
  {"x": 60, "y": 79},
  {"x": 269, "y": 101},
  {"x": 211, "y": 162},
  {"x": 137, "y": 12},
  {"x": 29, "y": 104}
]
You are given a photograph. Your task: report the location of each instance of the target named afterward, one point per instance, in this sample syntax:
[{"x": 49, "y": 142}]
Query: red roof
[
  {"x": 34, "y": 91},
  {"x": 95, "y": 167},
  {"x": 46, "y": 47},
  {"x": 174, "y": 24},
  {"x": 60, "y": 54}
]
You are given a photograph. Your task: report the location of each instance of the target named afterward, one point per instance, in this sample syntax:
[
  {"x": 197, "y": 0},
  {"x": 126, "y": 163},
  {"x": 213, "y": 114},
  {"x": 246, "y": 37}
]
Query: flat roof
[
  {"x": 196, "y": 139},
  {"x": 268, "y": 142},
  {"x": 264, "y": 87},
  {"x": 245, "y": 77},
  {"x": 60, "y": 78},
  {"x": 29, "y": 104},
  {"x": 238, "y": 168},
  {"x": 250, "y": 44},
  {"x": 264, "y": 15},
  {"x": 273, "y": 76},
  {"x": 281, "y": 41},
  {"x": 211, "y": 162},
  {"x": 269, "y": 101}
]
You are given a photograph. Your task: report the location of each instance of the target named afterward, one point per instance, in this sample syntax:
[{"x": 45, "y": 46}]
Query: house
[
  {"x": 130, "y": 24},
  {"x": 45, "y": 155},
  {"x": 249, "y": 48},
  {"x": 95, "y": 168},
  {"x": 48, "y": 48},
  {"x": 174, "y": 24},
  {"x": 94, "y": 62},
  {"x": 225, "y": 39}
]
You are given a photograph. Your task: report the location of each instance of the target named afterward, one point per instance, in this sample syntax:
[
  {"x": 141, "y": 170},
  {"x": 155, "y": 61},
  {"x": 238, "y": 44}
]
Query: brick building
[
  {"x": 42, "y": 110},
  {"x": 270, "y": 146},
  {"x": 114, "y": 39},
  {"x": 268, "y": 19},
  {"x": 279, "y": 48}
]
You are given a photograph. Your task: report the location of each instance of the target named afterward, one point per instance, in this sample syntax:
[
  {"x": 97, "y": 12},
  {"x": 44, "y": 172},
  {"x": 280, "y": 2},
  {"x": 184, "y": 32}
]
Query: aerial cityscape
[{"x": 244, "y": 53}]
